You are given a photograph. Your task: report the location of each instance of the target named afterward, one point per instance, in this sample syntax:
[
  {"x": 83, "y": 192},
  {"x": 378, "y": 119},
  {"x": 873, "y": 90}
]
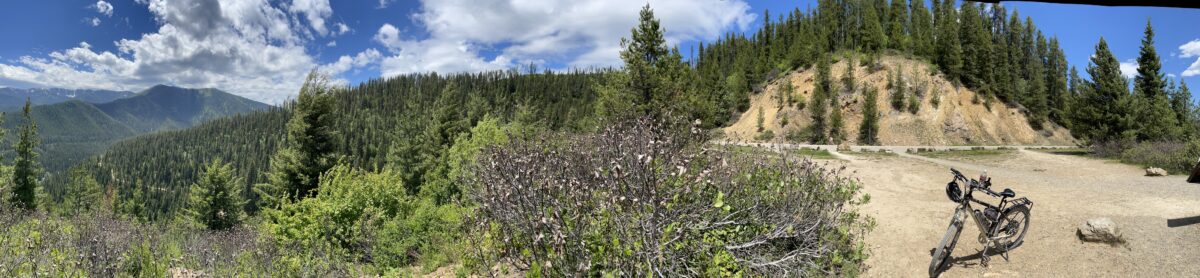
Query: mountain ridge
[{"x": 74, "y": 129}]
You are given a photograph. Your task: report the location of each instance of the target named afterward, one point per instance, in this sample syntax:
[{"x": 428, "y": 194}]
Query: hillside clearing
[{"x": 961, "y": 117}]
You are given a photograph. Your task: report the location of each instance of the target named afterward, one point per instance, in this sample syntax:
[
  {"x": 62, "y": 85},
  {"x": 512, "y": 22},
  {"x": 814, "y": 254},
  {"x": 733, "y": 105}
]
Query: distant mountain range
[
  {"x": 12, "y": 99},
  {"x": 76, "y": 128}
]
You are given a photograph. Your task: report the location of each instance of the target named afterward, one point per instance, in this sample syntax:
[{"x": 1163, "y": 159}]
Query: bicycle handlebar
[{"x": 973, "y": 184}]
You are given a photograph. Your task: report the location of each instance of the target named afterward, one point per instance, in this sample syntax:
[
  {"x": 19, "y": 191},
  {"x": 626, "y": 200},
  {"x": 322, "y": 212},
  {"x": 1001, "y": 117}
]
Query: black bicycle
[{"x": 1001, "y": 227}]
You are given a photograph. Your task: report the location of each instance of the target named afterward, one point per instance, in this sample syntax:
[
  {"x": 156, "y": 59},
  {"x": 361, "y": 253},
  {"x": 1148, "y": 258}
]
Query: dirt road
[{"x": 911, "y": 209}]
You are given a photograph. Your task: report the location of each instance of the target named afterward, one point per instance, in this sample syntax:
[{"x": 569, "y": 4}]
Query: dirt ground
[{"x": 909, "y": 204}]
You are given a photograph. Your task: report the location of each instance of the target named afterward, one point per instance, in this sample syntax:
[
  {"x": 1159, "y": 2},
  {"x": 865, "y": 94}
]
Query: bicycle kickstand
[{"x": 983, "y": 259}]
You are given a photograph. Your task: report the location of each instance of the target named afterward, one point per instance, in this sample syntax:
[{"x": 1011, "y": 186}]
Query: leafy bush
[
  {"x": 369, "y": 217},
  {"x": 641, "y": 199},
  {"x": 797, "y": 135},
  {"x": 765, "y": 136},
  {"x": 914, "y": 104},
  {"x": 99, "y": 245},
  {"x": 1175, "y": 157}
]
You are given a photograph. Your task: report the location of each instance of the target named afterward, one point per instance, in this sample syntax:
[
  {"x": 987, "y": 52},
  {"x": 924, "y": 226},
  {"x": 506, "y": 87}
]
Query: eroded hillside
[{"x": 947, "y": 114}]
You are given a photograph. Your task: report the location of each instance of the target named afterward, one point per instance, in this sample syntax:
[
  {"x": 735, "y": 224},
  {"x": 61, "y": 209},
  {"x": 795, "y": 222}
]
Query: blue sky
[{"x": 262, "y": 48}]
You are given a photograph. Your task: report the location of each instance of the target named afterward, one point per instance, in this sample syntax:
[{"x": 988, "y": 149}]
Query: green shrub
[
  {"x": 765, "y": 136},
  {"x": 369, "y": 217},
  {"x": 1175, "y": 157},
  {"x": 914, "y": 104}
]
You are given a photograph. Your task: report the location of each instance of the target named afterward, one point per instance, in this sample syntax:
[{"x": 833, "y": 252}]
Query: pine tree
[
  {"x": 761, "y": 119},
  {"x": 82, "y": 193},
  {"x": 1101, "y": 115},
  {"x": 215, "y": 200},
  {"x": 1075, "y": 88},
  {"x": 26, "y": 169},
  {"x": 836, "y": 128},
  {"x": 868, "y": 132},
  {"x": 898, "y": 25},
  {"x": 645, "y": 55},
  {"x": 1035, "y": 67},
  {"x": 1181, "y": 103},
  {"x": 874, "y": 38},
  {"x": 818, "y": 103},
  {"x": 921, "y": 30},
  {"x": 1056, "y": 83},
  {"x": 898, "y": 90},
  {"x": 308, "y": 150},
  {"x": 974, "y": 47},
  {"x": 949, "y": 49},
  {"x": 1155, "y": 118}
]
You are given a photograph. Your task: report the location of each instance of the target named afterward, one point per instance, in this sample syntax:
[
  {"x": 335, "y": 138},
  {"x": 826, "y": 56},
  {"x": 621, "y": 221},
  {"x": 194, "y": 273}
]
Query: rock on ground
[
  {"x": 1100, "y": 230},
  {"x": 1155, "y": 172}
]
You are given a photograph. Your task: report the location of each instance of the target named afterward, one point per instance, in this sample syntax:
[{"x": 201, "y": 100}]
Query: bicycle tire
[
  {"x": 1005, "y": 219},
  {"x": 941, "y": 254}
]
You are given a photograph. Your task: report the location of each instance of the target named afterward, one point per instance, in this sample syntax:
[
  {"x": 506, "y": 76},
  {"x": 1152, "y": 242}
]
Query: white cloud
[
  {"x": 95, "y": 21},
  {"x": 383, "y": 4},
  {"x": 247, "y": 47},
  {"x": 331, "y": 44},
  {"x": 345, "y": 63},
  {"x": 1189, "y": 50},
  {"x": 388, "y": 36},
  {"x": 580, "y": 34},
  {"x": 342, "y": 28},
  {"x": 315, "y": 11},
  {"x": 103, "y": 8},
  {"x": 1129, "y": 68}
]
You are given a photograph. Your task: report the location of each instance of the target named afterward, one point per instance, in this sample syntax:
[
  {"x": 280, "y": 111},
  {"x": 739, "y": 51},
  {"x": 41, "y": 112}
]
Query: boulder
[
  {"x": 1100, "y": 230},
  {"x": 1155, "y": 172}
]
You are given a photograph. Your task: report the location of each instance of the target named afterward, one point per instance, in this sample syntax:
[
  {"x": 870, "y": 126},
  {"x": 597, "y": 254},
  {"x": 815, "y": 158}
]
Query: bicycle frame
[{"x": 986, "y": 234}]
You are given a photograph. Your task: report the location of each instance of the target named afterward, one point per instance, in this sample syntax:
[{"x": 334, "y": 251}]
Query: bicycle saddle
[{"x": 1008, "y": 193}]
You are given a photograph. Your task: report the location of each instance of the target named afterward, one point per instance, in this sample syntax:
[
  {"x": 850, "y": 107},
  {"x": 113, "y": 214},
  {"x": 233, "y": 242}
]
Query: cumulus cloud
[
  {"x": 346, "y": 62},
  {"x": 383, "y": 4},
  {"x": 315, "y": 11},
  {"x": 577, "y": 33},
  {"x": 103, "y": 8},
  {"x": 1129, "y": 68},
  {"x": 94, "y": 22},
  {"x": 1190, "y": 50},
  {"x": 248, "y": 47}
]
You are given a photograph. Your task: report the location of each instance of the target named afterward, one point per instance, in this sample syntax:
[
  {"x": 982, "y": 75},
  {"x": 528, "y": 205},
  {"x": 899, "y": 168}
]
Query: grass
[
  {"x": 873, "y": 154},
  {"x": 814, "y": 153},
  {"x": 965, "y": 153},
  {"x": 1067, "y": 151}
]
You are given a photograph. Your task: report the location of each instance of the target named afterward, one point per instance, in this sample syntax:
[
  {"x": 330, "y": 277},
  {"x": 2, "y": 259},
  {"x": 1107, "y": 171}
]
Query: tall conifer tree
[
  {"x": 26, "y": 169},
  {"x": 1155, "y": 118}
]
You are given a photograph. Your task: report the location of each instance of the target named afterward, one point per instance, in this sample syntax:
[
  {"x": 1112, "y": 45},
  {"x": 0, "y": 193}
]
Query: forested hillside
[
  {"x": 424, "y": 111},
  {"x": 74, "y": 130},
  {"x": 164, "y": 107}
]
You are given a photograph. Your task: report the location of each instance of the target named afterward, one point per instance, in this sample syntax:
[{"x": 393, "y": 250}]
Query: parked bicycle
[{"x": 1002, "y": 227}]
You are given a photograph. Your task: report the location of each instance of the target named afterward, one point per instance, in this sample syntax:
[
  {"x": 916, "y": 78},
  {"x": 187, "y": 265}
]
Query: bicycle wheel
[
  {"x": 1013, "y": 225},
  {"x": 941, "y": 254}
]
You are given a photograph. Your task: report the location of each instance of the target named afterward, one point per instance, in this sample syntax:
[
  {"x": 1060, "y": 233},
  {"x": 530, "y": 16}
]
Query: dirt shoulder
[{"x": 909, "y": 205}]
